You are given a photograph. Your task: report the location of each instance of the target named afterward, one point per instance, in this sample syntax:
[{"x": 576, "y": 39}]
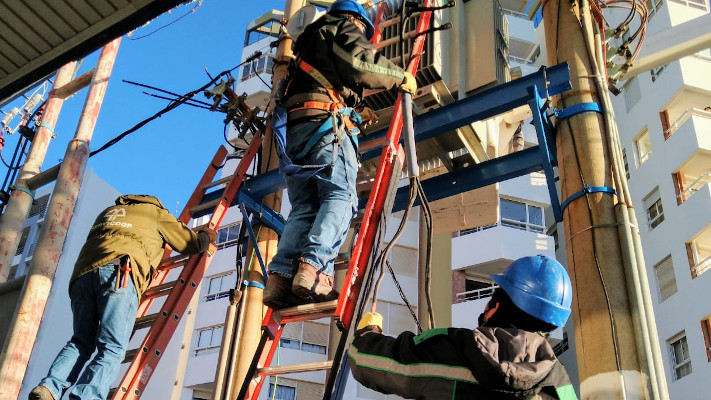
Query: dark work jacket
[
  {"x": 457, "y": 363},
  {"x": 340, "y": 52},
  {"x": 141, "y": 227}
]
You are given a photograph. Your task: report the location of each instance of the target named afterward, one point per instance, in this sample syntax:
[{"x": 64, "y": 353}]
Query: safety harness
[{"x": 342, "y": 119}]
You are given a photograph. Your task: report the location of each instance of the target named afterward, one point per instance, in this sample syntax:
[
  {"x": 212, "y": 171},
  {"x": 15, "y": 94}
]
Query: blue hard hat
[
  {"x": 353, "y": 7},
  {"x": 539, "y": 286}
]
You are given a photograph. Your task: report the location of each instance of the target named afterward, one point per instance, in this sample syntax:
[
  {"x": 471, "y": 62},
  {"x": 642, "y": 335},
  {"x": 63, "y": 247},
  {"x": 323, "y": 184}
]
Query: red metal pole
[
  {"x": 13, "y": 220},
  {"x": 23, "y": 329}
]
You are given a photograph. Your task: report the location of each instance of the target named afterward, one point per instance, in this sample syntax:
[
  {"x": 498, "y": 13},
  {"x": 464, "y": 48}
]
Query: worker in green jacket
[
  {"x": 506, "y": 357},
  {"x": 114, "y": 268}
]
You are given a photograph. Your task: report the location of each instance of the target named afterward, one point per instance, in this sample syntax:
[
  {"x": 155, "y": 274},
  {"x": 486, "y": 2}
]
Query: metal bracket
[
  {"x": 576, "y": 109},
  {"x": 587, "y": 189}
]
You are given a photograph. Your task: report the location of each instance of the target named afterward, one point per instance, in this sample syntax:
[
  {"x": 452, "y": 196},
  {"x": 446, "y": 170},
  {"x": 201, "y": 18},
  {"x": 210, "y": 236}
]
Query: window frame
[
  {"x": 518, "y": 224},
  {"x": 642, "y": 137},
  {"x": 211, "y": 347},
  {"x": 674, "y": 363},
  {"x": 663, "y": 263},
  {"x": 653, "y": 204}
]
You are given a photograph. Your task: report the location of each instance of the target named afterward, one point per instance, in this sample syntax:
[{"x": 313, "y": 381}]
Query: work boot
[
  {"x": 40, "y": 393},
  {"x": 277, "y": 293},
  {"x": 313, "y": 285}
]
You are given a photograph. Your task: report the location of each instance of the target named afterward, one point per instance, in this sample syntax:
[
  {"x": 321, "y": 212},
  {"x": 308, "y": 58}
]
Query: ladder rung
[
  {"x": 295, "y": 368},
  {"x": 144, "y": 321},
  {"x": 130, "y": 355},
  {"x": 216, "y": 183},
  {"x": 205, "y": 206},
  {"x": 158, "y": 290},
  {"x": 307, "y": 312},
  {"x": 172, "y": 262}
]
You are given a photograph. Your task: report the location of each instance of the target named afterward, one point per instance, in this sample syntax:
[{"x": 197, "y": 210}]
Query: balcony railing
[
  {"x": 694, "y": 187},
  {"x": 683, "y": 118},
  {"x": 477, "y": 294},
  {"x": 703, "y": 266}
]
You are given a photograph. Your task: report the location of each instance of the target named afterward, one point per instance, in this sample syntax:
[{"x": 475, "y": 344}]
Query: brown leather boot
[
  {"x": 40, "y": 393},
  {"x": 313, "y": 285},
  {"x": 277, "y": 293}
]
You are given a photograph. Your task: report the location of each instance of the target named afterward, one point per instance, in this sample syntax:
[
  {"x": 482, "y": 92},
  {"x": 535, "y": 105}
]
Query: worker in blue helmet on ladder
[
  {"x": 316, "y": 128},
  {"x": 506, "y": 357}
]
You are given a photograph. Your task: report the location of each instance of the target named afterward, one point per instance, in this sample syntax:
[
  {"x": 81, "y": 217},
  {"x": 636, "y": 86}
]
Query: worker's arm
[
  {"x": 181, "y": 238},
  {"x": 410, "y": 366},
  {"x": 359, "y": 64}
]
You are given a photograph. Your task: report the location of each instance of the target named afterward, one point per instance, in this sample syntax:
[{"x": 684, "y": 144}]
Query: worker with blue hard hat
[
  {"x": 506, "y": 357},
  {"x": 318, "y": 147}
]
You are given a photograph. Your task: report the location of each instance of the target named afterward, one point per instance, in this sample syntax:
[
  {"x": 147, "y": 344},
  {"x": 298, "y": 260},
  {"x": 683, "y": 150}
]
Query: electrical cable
[
  {"x": 192, "y": 10},
  {"x": 183, "y": 99}
]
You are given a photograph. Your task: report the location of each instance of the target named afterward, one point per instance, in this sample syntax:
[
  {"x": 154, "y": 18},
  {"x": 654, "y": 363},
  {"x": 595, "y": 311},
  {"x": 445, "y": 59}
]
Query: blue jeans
[
  {"x": 103, "y": 321},
  {"x": 321, "y": 207}
]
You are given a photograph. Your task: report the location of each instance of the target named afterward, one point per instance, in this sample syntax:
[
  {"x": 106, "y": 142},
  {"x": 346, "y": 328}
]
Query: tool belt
[{"x": 123, "y": 270}]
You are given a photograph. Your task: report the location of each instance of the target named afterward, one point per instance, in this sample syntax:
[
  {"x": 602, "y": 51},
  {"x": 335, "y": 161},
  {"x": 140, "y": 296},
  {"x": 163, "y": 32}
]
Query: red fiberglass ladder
[
  {"x": 343, "y": 309},
  {"x": 179, "y": 292}
]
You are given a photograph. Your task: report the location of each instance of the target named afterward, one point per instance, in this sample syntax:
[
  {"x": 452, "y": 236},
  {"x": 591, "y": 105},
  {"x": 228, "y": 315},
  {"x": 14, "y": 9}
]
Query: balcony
[
  {"x": 689, "y": 142},
  {"x": 699, "y": 251}
]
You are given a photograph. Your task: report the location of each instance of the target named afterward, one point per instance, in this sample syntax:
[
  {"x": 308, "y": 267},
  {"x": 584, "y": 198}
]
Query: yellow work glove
[
  {"x": 409, "y": 84},
  {"x": 371, "y": 318},
  {"x": 368, "y": 116}
]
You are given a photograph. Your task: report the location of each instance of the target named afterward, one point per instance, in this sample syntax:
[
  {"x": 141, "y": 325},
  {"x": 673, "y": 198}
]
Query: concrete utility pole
[
  {"x": 33, "y": 298},
  {"x": 252, "y": 313},
  {"x": 615, "y": 347},
  {"x": 13, "y": 220}
]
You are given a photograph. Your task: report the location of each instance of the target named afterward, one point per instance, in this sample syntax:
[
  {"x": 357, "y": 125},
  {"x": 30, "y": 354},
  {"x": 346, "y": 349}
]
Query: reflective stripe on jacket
[
  {"x": 457, "y": 363},
  {"x": 138, "y": 226}
]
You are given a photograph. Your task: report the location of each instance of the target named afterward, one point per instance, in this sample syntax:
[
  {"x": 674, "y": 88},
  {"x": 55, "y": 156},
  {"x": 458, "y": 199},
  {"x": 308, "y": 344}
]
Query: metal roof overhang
[{"x": 37, "y": 37}]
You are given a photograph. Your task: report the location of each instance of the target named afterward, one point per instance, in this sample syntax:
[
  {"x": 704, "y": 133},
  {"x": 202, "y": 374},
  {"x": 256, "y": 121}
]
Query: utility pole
[
  {"x": 618, "y": 354},
  {"x": 33, "y": 298},
  {"x": 15, "y": 215},
  {"x": 252, "y": 313}
]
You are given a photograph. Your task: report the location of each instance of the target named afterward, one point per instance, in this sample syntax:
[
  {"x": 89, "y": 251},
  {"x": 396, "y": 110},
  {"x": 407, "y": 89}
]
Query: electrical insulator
[
  {"x": 32, "y": 103},
  {"x": 9, "y": 116}
]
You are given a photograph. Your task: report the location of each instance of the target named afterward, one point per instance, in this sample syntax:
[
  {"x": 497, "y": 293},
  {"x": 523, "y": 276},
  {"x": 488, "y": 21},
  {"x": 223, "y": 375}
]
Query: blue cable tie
[
  {"x": 254, "y": 284},
  {"x": 49, "y": 127},
  {"x": 587, "y": 189},
  {"x": 26, "y": 190},
  {"x": 576, "y": 109}
]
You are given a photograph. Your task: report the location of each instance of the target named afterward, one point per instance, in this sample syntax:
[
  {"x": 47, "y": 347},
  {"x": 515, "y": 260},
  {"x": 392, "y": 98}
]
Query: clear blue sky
[{"x": 168, "y": 155}]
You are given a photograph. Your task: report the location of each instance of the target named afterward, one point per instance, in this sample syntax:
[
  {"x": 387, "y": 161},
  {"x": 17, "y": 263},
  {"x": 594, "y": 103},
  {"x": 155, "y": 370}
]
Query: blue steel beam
[
  {"x": 486, "y": 104},
  {"x": 476, "y": 176}
]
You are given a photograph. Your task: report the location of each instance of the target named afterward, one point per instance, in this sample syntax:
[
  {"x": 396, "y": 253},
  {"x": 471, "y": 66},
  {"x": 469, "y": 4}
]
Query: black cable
[
  {"x": 427, "y": 214},
  {"x": 192, "y": 10},
  {"x": 184, "y": 98}
]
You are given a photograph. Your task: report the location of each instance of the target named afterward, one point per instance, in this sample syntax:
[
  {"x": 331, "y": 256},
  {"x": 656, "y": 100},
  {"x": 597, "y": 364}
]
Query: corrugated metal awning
[{"x": 37, "y": 37}]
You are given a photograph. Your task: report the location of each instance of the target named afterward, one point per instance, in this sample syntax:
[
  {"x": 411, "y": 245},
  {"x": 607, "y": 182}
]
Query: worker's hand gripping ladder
[
  {"x": 163, "y": 324},
  {"x": 378, "y": 207}
]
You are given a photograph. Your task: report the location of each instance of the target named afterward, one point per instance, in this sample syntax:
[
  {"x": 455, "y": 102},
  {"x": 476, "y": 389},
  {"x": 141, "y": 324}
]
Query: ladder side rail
[
  {"x": 272, "y": 344},
  {"x": 374, "y": 208},
  {"x": 162, "y": 331},
  {"x": 195, "y": 198}
]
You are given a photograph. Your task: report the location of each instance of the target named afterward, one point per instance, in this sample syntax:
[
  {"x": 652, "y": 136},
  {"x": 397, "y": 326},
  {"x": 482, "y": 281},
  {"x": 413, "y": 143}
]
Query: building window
[
  {"x": 208, "y": 340},
  {"x": 666, "y": 280},
  {"x": 679, "y": 353},
  {"x": 643, "y": 147},
  {"x": 227, "y": 236},
  {"x": 219, "y": 286},
  {"x": 39, "y": 207},
  {"x": 281, "y": 392},
  {"x": 652, "y": 7},
  {"x": 306, "y": 336},
  {"x": 627, "y": 165},
  {"x": 657, "y": 71},
  {"x": 655, "y": 211},
  {"x": 632, "y": 93},
  {"x": 706, "y": 331},
  {"x": 521, "y": 215},
  {"x": 698, "y": 4}
]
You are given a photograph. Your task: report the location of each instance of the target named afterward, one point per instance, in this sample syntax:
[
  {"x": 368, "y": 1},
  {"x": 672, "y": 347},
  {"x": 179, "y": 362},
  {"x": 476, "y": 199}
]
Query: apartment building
[{"x": 664, "y": 119}]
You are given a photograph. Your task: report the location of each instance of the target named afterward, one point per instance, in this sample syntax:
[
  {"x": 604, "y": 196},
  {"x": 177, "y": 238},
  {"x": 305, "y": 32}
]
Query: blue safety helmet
[
  {"x": 354, "y": 8},
  {"x": 540, "y": 286}
]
